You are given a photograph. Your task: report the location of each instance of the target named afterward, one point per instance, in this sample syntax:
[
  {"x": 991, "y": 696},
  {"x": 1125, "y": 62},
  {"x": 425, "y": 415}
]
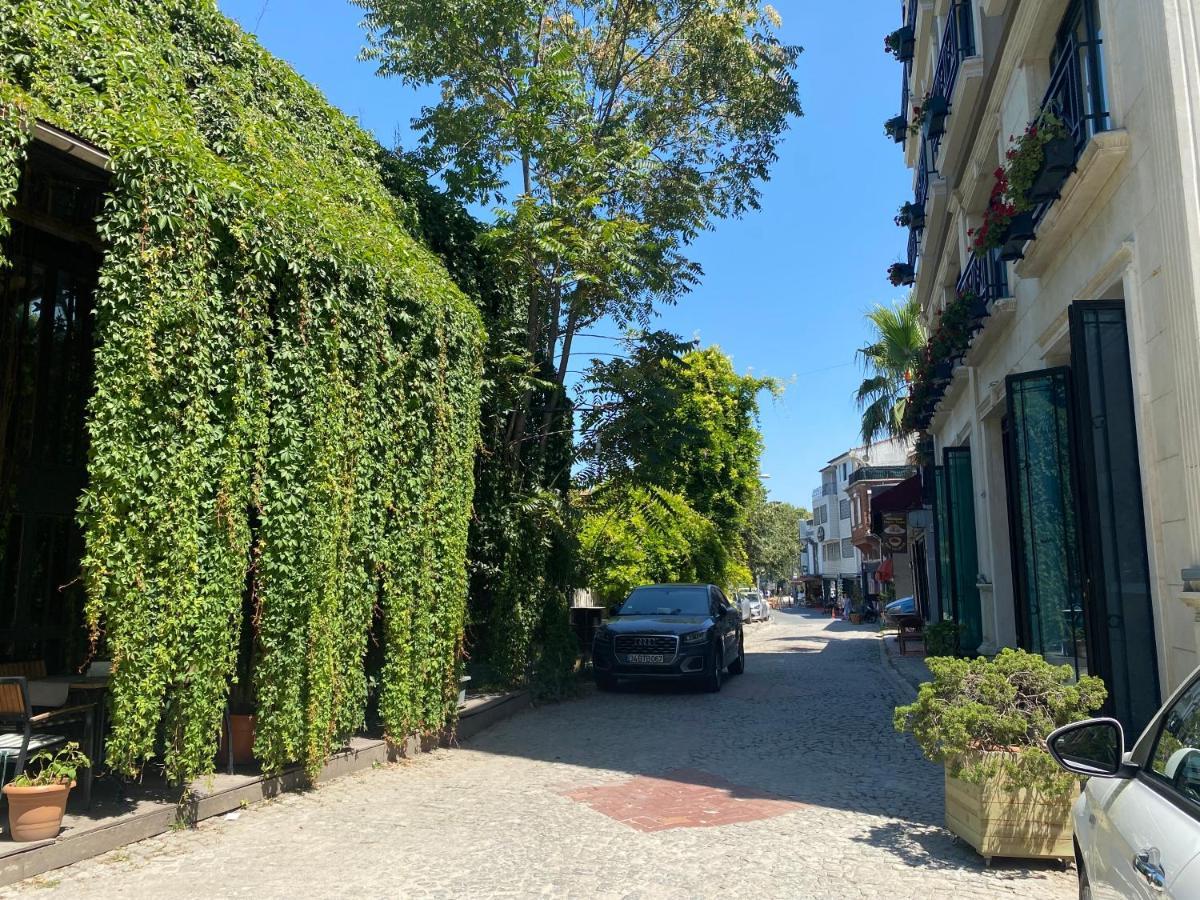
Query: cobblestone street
[{"x": 788, "y": 783}]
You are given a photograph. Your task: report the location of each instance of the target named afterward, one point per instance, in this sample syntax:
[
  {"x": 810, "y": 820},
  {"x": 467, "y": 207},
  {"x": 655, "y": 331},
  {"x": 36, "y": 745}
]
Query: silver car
[{"x": 752, "y": 606}]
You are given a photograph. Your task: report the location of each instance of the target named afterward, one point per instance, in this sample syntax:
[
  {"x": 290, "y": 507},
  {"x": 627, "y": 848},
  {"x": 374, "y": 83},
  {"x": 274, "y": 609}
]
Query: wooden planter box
[{"x": 1022, "y": 824}]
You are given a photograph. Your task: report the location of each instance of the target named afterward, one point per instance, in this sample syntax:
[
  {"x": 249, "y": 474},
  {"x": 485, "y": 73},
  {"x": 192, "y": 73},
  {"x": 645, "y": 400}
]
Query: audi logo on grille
[{"x": 644, "y": 642}]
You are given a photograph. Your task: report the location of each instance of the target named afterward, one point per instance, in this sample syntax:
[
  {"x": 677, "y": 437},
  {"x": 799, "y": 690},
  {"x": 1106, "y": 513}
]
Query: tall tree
[
  {"x": 772, "y": 537},
  {"x": 897, "y": 341},
  {"x": 680, "y": 419},
  {"x": 611, "y": 132}
]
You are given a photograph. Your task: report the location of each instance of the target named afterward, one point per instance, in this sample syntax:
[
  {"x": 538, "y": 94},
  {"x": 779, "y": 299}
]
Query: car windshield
[{"x": 667, "y": 600}]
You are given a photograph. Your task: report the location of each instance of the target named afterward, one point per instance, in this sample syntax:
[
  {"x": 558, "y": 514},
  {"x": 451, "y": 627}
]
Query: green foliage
[
  {"x": 286, "y": 389},
  {"x": 941, "y": 638},
  {"x": 632, "y": 126},
  {"x": 632, "y": 535},
  {"x": 772, "y": 537},
  {"x": 983, "y": 718},
  {"x": 890, "y": 359},
  {"x": 682, "y": 420},
  {"x": 53, "y": 766}
]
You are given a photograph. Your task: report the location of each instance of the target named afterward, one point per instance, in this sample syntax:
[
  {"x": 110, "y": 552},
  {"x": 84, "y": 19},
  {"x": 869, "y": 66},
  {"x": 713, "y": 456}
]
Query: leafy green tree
[
  {"x": 630, "y": 535},
  {"x": 772, "y": 537},
  {"x": 611, "y": 132},
  {"x": 673, "y": 417},
  {"x": 897, "y": 340}
]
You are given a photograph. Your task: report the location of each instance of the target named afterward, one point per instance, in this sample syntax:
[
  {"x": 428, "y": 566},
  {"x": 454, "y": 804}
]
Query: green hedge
[{"x": 286, "y": 391}]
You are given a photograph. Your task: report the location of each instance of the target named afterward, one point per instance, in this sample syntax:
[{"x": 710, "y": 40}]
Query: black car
[{"x": 681, "y": 631}]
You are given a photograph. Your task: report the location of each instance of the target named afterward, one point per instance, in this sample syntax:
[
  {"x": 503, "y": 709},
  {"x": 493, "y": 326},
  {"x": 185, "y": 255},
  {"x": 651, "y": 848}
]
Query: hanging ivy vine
[{"x": 286, "y": 389}]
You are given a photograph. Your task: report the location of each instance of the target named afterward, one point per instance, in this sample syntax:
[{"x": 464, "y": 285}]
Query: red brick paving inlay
[{"x": 685, "y": 798}]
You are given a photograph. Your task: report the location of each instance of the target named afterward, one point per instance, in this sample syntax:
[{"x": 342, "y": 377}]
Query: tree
[
  {"x": 628, "y": 126},
  {"x": 772, "y": 538},
  {"x": 673, "y": 417},
  {"x": 897, "y": 340}
]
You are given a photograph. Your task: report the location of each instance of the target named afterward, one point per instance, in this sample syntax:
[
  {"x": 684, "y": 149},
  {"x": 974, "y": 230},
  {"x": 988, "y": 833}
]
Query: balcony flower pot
[
  {"x": 1020, "y": 231},
  {"x": 35, "y": 812},
  {"x": 901, "y": 274},
  {"x": 896, "y": 128},
  {"x": 933, "y": 113},
  {"x": 911, "y": 216},
  {"x": 901, "y": 43},
  {"x": 977, "y": 307},
  {"x": 1058, "y": 161}
]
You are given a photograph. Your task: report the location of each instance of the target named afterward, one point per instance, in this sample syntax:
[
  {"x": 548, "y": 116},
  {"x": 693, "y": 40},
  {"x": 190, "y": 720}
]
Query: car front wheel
[
  {"x": 738, "y": 666},
  {"x": 712, "y": 683}
]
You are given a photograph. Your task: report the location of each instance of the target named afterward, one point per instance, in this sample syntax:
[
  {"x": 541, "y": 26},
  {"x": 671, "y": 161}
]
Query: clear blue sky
[{"x": 785, "y": 289}]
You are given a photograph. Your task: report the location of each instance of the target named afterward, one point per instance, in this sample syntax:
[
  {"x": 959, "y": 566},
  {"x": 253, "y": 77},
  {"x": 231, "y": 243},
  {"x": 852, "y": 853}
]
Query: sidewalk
[{"x": 910, "y": 667}]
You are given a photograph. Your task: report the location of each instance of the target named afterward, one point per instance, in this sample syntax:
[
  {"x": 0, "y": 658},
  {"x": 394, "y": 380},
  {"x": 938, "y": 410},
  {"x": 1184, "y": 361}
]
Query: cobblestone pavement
[{"x": 788, "y": 783}]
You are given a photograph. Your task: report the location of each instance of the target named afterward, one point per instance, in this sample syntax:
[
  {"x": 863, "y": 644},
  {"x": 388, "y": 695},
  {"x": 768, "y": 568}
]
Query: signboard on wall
[{"x": 895, "y": 532}]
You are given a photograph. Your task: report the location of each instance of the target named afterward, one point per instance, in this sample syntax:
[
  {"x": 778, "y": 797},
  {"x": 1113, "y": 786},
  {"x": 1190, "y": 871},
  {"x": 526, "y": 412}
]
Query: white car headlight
[{"x": 695, "y": 637}]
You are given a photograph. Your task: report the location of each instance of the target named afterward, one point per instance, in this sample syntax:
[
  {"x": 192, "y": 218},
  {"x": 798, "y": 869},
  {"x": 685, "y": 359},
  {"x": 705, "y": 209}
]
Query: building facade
[{"x": 1055, "y": 251}]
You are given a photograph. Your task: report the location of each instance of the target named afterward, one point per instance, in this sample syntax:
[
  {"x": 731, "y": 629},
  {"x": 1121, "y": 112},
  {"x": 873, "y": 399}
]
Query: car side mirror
[{"x": 1092, "y": 748}]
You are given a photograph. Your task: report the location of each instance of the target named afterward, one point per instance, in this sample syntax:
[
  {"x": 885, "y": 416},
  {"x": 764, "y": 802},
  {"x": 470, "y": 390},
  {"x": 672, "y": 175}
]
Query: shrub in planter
[
  {"x": 933, "y": 115},
  {"x": 941, "y": 638},
  {"x": 911, "y": 215},
  {"x": 36, "y": 802},
  {"x": 986, "y": 721},
  {"x": 900, "y": 274},
  {"x": 901, "y": 43},
  {"x": 895, "y": 128}
]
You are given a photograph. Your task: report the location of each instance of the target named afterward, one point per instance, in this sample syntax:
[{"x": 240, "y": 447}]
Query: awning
[
  {"x": 884, "y": 572},
  {"x": 900, "y": 497}
]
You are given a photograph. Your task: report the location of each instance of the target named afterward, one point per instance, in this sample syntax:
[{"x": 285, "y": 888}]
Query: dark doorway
[
  {"x": 964, "y": 555},
  {"x": 1120, "y": 616},
  {"x": 46, "y": 348}
]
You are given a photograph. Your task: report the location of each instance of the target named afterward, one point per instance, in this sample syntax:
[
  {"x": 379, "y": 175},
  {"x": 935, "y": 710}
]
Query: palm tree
[{"x": 898, "y": 339}]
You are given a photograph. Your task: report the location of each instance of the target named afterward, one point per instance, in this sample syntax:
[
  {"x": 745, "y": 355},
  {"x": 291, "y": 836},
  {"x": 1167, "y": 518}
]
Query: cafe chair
[{"x": 19, "y": 739}]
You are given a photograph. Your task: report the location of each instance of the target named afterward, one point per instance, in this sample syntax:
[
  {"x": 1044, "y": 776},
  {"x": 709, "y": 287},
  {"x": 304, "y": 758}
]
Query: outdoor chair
[{"x": 18, "y": 739}]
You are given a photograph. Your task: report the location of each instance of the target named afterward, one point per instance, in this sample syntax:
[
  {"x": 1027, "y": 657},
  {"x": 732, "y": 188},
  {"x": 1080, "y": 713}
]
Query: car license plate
[{"x": 644, "y": 659}]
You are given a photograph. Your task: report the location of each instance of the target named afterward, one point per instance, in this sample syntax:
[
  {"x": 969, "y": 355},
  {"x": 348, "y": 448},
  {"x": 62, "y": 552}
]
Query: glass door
[
  {"x": 1114, "y": 533},
  {"x": 1047, "y": 571},
  {"x": 964, "y": 556}
]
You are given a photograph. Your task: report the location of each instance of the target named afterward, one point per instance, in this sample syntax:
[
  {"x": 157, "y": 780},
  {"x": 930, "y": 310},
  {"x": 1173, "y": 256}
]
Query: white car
[
  {"x": 1137, "y": 820},
  {"x": 751, "y": 605}
]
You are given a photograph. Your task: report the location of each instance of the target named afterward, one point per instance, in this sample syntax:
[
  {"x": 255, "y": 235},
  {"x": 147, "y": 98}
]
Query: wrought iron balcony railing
[
  {"x": 986, "y": 277},
  {"x": 958, "y": 42},
  {"x": 882, "y": 473}
]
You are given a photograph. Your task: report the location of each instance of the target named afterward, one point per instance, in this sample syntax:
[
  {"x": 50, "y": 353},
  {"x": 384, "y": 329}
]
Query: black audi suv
[{"x": 681, "y": 631}]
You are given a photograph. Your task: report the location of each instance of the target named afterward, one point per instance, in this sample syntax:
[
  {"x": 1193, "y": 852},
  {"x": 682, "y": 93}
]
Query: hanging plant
[
  {"x": 993, "y": 231},
  {"x": 900, "y": 274},
  {"x": 911, "y": 215},
  {"x": 901, "y": 43},
  {"x": 896, "y": 128}
]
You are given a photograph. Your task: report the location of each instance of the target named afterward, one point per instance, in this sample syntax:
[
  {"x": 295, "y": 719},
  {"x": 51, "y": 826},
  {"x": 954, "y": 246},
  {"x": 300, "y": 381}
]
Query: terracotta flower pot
[
  {"x": 36, "y": 813},
  {"x": 241, "y": 727}
]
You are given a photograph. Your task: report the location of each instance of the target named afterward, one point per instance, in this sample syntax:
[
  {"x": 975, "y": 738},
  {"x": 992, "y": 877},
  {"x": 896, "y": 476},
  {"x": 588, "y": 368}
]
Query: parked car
[
  {"x": 898, "y": 609},
  {"x": 1137, "y": 820},
  {"x": 752, "y": 605},
  {"x": 664, "y": 631}
]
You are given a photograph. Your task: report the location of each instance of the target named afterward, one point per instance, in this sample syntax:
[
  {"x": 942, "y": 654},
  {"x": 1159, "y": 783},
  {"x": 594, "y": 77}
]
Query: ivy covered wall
[{"x": 286, "y": 392}]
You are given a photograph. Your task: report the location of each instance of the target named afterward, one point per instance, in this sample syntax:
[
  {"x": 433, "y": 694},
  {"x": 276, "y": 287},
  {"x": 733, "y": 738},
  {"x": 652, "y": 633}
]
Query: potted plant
[
  {"x": 896, "y": 128},
  {"x": 986, "y": 721},
  {"x": 36, "y": 802},
  {"x": 1020, "y": 231},
  {"x": 911, "y": 216},
  {"x": 901, "y": 43},
  {"x": 1040, "y": 160},
  {"x": 900, "y": 274}
]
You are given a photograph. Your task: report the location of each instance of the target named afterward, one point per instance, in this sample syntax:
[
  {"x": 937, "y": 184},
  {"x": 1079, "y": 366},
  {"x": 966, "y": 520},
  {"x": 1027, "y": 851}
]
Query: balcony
[
  {"x": 882, "y": 473},
  {"x": 958, "y": 42}
]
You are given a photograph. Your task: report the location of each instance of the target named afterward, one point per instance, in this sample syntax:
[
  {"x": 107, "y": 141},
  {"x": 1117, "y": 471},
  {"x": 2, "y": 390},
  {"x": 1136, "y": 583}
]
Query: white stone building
[{"x": 1066, "y": 435}]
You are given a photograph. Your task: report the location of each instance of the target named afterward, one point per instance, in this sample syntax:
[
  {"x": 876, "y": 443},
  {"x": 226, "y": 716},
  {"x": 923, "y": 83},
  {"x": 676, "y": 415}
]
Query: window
[
  {"x": 830, "y": 551},
  {"x": 1076, "y": 91},
  {"x": 847, "y": 549},
  {"x": 844, "y": 509},
  {"x": 822, "y": 514},
  {"x": 1175, "y": 762}
]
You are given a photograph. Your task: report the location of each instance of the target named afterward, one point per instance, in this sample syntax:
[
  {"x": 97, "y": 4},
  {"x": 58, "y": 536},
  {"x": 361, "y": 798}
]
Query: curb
[{"x": 904, "y": 681}]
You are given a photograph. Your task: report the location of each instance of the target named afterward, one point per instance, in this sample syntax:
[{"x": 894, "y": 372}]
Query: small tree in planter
[
  {"x": 986, "y": 721},
  {"x": 36, "y": 802}
]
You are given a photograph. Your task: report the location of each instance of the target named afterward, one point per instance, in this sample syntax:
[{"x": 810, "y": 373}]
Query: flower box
[
  {"x": 896, "y": 128},
  {"x": 911, "y": 216},
  {"x": 934, "y": 112},
  {"x": 901, "y": 43},
  {"x": 1058, "y": 161},
  {"x": 901, "y": 274},
  {"x": 999, "y": 821},
  {"x": 1020, "y": 231}
]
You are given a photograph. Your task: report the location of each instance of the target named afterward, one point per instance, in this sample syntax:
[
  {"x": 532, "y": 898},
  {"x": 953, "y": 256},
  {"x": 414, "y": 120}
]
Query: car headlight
[
  {"x": 603, "y": 635},
  {"x": 696, "y": 637}
]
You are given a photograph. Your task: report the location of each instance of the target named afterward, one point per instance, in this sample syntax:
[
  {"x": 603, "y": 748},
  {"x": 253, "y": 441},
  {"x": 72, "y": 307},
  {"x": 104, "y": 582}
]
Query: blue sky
[{"x": 785, "y": 289}]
